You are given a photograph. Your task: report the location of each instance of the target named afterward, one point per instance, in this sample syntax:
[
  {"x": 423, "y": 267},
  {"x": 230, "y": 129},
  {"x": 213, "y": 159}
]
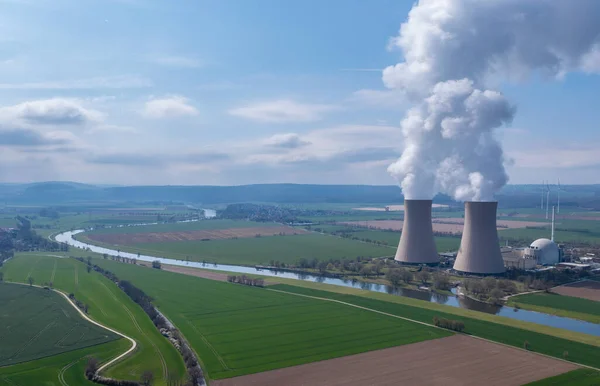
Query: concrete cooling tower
[
  {"x": 416, "y": 243},
  {"x": 480, "y": 248}
]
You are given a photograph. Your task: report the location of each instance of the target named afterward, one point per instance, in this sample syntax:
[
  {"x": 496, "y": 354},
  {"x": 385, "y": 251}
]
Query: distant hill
[{"x": 61, "y": 193}]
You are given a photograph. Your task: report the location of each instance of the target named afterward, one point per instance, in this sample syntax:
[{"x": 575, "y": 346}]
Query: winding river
[{"x": 450, "y": 300}]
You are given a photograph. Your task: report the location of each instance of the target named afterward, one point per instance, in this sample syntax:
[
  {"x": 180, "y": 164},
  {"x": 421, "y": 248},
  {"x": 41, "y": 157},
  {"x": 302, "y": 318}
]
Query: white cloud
[
  {"x": 55, "y": 111},
  {"x": 169, "y": 107},
  {"x": 109, "y": 82},
  {"x": 282, "y": 111},
  {"x": 178, "y": 61}
]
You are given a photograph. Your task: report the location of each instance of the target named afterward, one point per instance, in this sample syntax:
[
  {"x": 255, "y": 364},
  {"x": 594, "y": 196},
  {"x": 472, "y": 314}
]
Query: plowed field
[
  {"x": 213, "y": 234},
  {"x": 446, "y": 225},
  {"x": 456, "y": 360},
  {"x": 584, "y": 289}
]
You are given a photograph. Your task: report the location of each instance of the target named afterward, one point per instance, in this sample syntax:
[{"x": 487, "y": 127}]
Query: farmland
[
  {"x": 195, "y": 235},
  {"x": 259, "y": 250},
  {"x": 109, "y": 306},
  {"x": 580, "y": 377},
  {"x": 477, "y": 324},
  {"x": 568, "y": 306},
  {"x": 589, "y": 289},
  {"x": 37, "y": 323},
  {"x": 240, "y": 330},
  {"x": 457, "y": 360},
  {"x": 58, "y": 370}
]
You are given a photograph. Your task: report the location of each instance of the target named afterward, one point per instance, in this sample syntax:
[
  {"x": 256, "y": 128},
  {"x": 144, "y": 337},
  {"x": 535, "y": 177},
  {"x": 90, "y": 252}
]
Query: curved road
[{"x": 83, "y": 315}]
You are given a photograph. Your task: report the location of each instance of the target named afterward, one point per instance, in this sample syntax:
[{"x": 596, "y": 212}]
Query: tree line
[{"x": 245, "y": 280}]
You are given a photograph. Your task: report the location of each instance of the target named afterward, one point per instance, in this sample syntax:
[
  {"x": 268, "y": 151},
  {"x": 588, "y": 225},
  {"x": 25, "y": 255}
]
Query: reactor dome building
[
  {"x": 479, "y": 251},
  {"x": 544, "y": 251},
  {"x": 417, "y": 245}
]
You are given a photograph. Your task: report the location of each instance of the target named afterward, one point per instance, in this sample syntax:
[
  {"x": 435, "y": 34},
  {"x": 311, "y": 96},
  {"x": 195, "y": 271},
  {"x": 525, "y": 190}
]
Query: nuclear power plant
[
  {"x": 479, "y": 251},
  {"x": 417, "y": 245}
]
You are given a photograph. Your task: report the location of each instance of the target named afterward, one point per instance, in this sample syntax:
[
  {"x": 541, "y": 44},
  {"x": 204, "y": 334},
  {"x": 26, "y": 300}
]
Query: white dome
[{"x": 546, "y": 251}]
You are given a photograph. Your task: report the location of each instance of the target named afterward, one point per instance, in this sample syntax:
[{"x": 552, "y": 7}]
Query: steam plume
[{"x": 453, "y": 51}]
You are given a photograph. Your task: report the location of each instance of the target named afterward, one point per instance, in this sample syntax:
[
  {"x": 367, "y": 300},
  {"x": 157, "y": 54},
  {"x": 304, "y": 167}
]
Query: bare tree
[
  {"x": 1, "y": 276},
  {"x": 30, "y": 280},
  {"x": 91, "y": 367}
]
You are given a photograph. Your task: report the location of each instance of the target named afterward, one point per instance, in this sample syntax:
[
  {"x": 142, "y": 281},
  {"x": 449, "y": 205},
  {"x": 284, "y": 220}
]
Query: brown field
[
  {"x": 584, "y": 289},
  {"x": 445, "y": 225},
  {"x": 214, "y": 234},
  {"x": 456, "y": 360}
]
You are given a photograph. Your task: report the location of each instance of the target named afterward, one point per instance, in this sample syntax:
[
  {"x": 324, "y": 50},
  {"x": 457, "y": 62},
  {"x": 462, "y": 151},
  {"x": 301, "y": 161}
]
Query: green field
[
  {"x": 109, "y": 306},
  {"x": 539, "y": 342},
  {"x": 443, "y": 243},
  {"x": 568, "y": 306},
  {"x": 258, "y": 250},
  {"x": 240, "y": 330},
  {"x": 37, "y": 323},
  {"x": 581, "y": 377},
  {"x": 60, "y": 370}
]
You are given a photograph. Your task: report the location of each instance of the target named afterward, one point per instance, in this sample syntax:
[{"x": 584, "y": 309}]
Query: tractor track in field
[
  {"x": 32, "y": 268},
  {"x": 61, "y": 373},
  {"x": 207, "y": 343},
  {"x": 53, "y": 272},
  {"x": 76, "y": 276},
  {"x": 165, "y": 369}
]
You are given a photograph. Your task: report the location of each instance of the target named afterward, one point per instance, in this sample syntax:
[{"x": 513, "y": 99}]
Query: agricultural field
[
  {"x": 196, "y": 235},
  {"x": 455, "y": 360},
  {"x": 258, "y": 250},
  {"x": 37, "y": 323},
  {"x": 589, "y": 289},
  {"x": 541, "y": 339},
  {"x": 107, "y": 305},
  {"x": 184, "y": 227},
  {"x": 62, "y": 369},
  {"x": 580, "y": 377},
  {"x": 447, "y": 225},
  {"x": 561, "y": 305},
  {"x": 443, "y": 243},
  {"x": 240, "y": 330}
]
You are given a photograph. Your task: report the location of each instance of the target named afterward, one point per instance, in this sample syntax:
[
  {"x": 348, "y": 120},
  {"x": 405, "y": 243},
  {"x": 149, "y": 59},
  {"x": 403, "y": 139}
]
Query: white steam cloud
[{"x": 453, "y": 50}]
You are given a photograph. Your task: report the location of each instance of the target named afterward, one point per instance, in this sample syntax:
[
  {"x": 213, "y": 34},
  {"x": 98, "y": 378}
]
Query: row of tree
[
  {"x": 243, "y": 279},
  {"x": 195, "y": 373},
  {"x": 454, "y": 325}
]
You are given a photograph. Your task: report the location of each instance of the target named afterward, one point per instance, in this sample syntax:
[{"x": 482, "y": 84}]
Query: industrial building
[
  {"x": 479, "y": 251},
  {"x": 417, "y": 245}
]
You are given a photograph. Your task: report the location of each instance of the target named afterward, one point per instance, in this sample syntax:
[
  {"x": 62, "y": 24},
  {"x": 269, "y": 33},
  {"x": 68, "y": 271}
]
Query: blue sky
[{"x": 237, "y": 92}]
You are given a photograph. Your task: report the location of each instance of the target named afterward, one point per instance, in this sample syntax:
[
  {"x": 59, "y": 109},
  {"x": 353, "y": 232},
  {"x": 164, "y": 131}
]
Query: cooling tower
[
  {"x": 480, "y": 248},
  {"x": 416, "y": 243}
]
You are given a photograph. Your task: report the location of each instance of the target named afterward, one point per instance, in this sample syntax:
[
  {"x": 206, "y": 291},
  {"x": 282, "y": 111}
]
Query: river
[{"x": 449, "y": 300}]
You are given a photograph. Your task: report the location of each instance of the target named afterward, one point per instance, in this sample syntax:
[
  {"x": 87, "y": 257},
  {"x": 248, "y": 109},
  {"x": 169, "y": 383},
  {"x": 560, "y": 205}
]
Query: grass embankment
[
  {"x": 581, "y": 377},
  {"x": 555, "y": 304},
  {"x": 109, "y": 306},
  {"x": 60, "y": 370},
  {"x": 37, "y": 323},
  {"x": 550, "y": 345},
  {"x": 256, "y": 250},
  {"x": 239, "y": 330}
]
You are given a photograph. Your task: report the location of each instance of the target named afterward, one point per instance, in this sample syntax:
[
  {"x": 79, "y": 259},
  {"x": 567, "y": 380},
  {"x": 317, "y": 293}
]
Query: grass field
[
  {"x": 109, "y": 306},
  {"x": 568, "y": 306},
  {"x": 513, "y": 336},
  {"x": 60, "y": 370},
  {"x": 37, "y": 323},
  {"x": 240, "y": 330},
  {"x": 443, "y": 244},
  {"x": 261, "y": 250},
  {"x": 581, "y": 377}
]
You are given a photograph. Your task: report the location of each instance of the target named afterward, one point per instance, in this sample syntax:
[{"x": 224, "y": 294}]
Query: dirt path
[{"x": 452, "y": 361}]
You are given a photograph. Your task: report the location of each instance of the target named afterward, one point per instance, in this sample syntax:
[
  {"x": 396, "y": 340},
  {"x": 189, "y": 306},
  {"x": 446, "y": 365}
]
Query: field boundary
[{"x": 431, "y": 325}]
